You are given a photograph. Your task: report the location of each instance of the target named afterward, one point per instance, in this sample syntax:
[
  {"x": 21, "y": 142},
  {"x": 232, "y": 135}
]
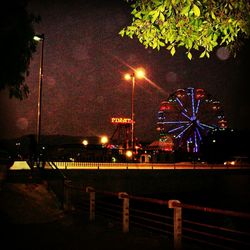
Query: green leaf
[
  {"x": 203, "y": 54},
  {"x": 196, "y": 10},
  {"x": 154, "y": 17},
  {"x": 172, "y": 51},
  {"x": 185, "y": 10},
  {"x": 189, "y": 43},
  {"x": 189, "y": 55},
  {"x": 162, "y": 17},
  {"x": 215, "y": 37},
  {"x": 155, "y": 43},
  {"x": 213, "y": 15},
  {"x": 122, "y": 32},
  {"x": 170, "y": 47},
  {"x": 138, "y": 15}
]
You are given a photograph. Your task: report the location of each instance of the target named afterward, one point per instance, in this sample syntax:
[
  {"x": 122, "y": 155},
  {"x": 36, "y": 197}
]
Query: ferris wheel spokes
[
  {"x": 181, "y": 104},
  {"x": 192, "y": 100},
  {"x": 174, "y": 122},
  {"x": 197, "y": 107},
  {"x": 195, "y": 142},
  {"x": 183, "y": 131},
  {"x": 198, "y": 133},
  {"x": 206, "y": 126},
  {"x": 189, "y": 118},
  {"x": 175, "y": 129}
]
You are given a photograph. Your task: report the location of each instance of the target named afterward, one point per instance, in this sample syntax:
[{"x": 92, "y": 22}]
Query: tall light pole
[
  {"x": 39, "y": 38},
  {"x": 138, "y": 73}
]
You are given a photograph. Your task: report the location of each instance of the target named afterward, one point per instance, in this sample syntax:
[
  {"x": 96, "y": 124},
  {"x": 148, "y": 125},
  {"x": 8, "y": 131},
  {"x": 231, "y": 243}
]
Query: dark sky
[{"x": 84, "y": 63}]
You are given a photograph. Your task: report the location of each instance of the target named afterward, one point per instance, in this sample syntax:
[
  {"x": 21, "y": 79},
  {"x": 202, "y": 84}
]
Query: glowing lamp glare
[
  {"x": 129, "y": 153},
  {"x": 140, "y": 73}
]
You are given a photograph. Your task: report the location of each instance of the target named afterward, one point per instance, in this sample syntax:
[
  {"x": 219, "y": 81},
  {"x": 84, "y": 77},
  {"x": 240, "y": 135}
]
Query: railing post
[
  {"x": 177, "y": 223},
  {"x": 67, "y": 206},
  {"x": 91, "y": 192},
  {"x": 125, "y": 211}
]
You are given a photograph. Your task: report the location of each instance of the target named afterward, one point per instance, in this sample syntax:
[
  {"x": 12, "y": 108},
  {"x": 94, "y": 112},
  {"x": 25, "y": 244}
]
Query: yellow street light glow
[
  {"x": 85, "y": 142},
  {"x": 104, "y": 139},
  {"x": 129, "y": 153},
  {"x": 140, "y": 73},
  {"x": 127, "y": 77}
]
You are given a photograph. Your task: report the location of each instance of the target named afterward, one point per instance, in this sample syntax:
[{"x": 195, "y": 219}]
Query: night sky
[{"x": 84, "y": 63}]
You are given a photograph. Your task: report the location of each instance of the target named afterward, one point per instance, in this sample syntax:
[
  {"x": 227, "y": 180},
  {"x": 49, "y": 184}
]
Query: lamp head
[
  {"x": 38, "y": 37},
  {"x": 140, "y": 73}
]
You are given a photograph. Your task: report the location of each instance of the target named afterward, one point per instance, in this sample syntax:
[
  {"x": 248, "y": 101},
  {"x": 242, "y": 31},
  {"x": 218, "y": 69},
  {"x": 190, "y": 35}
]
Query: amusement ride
[{"x": 187, "y": 115}]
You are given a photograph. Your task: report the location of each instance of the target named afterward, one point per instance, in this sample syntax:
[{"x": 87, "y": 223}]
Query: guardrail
[{"x": 182, "y": 224}]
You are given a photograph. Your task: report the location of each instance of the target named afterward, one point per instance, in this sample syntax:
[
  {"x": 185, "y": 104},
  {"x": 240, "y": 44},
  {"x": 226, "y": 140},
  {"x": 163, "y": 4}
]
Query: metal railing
[
  {"x": 156, "y": 166},
  {"x": 182, "y": 224}
]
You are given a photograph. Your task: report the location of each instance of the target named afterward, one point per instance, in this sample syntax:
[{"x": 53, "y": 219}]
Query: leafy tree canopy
[
  {"x": 16, "y": 46},
  {"x": 194, "y": 24}
]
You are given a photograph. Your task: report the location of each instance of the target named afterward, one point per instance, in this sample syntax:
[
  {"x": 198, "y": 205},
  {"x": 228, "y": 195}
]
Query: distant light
[
  {"x": 214, "y": 141},
  {"x": 127, "y": 76},
  {"x": 85, "y": 142},
  {"x": 104, "y": 139},
  {"x": 129, "y": 153},
  {"x": 38, "y": 38}
]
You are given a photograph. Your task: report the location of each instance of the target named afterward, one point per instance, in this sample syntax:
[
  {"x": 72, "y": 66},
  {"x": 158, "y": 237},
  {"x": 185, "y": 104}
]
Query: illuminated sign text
[{"x": 121, "y": 120}]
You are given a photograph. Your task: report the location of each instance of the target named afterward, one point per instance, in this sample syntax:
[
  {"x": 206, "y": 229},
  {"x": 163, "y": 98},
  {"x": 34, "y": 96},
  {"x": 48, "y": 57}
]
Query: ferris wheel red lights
[{"x": 188, "y": 115}]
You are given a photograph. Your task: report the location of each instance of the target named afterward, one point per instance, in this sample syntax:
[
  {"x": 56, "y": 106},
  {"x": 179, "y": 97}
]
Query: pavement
[{"x": 31, "y": 218}]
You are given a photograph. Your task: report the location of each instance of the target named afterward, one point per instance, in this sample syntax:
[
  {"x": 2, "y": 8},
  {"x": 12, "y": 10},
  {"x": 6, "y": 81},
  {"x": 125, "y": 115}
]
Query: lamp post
[
  {"x": 39, "y": 38},
  {"x": 138, "y": 73}
]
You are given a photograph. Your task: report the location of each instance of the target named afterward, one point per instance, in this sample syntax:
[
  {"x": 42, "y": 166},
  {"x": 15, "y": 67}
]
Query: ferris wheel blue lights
[{"x": 188, "y": 115}]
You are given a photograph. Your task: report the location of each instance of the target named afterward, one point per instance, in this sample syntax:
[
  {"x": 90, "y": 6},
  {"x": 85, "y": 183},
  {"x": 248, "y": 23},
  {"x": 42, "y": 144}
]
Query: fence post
[
  {"x": 91, "y": 192},
  {"x": 125, "y": 211},
  {"x": 67, "y": 206},
  {"x": 177, "y": 223}
]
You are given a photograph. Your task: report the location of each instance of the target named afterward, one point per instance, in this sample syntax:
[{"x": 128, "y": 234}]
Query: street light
[
  {"x": 39, "y": 38},
  {"x": 138, "y": 73},
  {"x": 85, "y": 142},
  {"x": 104, "y": 140}
]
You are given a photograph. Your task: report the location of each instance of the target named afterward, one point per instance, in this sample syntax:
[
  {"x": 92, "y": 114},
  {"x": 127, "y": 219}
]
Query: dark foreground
[{"x": 30, "y": 218}]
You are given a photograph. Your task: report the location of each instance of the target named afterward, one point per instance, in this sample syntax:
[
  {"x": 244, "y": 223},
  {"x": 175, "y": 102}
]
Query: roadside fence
[{"x": 182, "y": 224}]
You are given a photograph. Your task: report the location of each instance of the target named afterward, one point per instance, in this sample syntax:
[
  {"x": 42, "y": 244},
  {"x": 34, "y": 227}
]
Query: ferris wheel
[{"x": 188, "y": 115}]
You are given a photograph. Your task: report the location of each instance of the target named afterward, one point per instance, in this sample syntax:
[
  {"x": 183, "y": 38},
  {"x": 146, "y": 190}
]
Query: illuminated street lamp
[
  {"x": 39, "y": 38},
  {"x": 104, "y": 140},
  {"x": 138, "y": 73},
  {"x": 129, "y": 153},
  {"x": 85, "y": 142}
]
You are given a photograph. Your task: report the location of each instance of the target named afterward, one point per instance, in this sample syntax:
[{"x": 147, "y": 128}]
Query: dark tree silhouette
[{"x": 16, "y": 46}]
